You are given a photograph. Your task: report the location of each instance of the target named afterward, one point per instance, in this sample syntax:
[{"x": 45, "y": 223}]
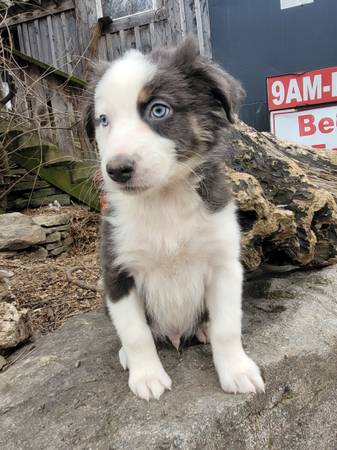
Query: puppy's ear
[
  {"x": 220, "y": 84},
  {"x": 186, "y": 54},
  {"x": 225, "y": 89}
]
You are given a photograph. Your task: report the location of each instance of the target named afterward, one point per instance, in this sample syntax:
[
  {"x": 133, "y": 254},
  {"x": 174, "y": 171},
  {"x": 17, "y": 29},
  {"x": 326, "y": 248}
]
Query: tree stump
[{"x": 286, "y": 196}]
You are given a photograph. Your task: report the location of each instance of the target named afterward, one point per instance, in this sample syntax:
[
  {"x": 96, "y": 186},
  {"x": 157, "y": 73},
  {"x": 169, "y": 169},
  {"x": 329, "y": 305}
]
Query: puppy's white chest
[{"x": 167, "y": 253}]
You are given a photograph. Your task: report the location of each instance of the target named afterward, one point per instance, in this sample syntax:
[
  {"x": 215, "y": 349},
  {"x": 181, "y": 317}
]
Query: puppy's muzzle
[{"x": 121, "y": 169}]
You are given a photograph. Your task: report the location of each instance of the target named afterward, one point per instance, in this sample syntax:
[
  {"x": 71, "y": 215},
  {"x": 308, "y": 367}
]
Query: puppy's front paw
[
  {"x": 238, "y": 374},
  {"x": 149, "y": 382}
]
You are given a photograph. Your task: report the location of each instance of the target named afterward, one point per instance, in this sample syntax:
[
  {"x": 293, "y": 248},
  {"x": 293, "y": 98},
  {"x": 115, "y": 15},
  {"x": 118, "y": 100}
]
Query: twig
[{"x": 79, "y": 283}]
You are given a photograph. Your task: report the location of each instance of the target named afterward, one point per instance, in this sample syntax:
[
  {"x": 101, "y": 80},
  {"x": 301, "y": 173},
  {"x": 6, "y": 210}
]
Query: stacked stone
[
  {"x": 57, "y": 229},
  {"x": 43, "y": 235},
  {"x": 30, "y": 191}
]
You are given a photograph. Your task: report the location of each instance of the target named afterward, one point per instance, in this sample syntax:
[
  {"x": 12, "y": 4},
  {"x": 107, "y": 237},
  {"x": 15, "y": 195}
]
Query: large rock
[
  {"x": 15, "y": 326},
  {"x": 70, "y": 391},
  {"x": 18, "y": 231}
]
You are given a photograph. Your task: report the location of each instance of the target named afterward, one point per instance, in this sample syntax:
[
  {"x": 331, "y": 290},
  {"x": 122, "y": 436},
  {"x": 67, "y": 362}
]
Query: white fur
[
  {"x": 178, "y": 253},
  {"x": 116, "y": 96},
  {"x": 170, "y": 243},
  {"x": 147, "y": 377}
]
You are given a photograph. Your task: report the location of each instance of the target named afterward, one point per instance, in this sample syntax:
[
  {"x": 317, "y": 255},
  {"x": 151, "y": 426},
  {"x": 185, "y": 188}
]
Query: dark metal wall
[{"x": 253, "y": 39}]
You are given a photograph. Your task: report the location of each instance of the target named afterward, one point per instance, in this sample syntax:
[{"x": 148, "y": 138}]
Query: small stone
[
  {"x": 53, "y": 237},
  {"x": 67, "y": 241},
  {"x": 58, "y": 228},
  {"x": 39, "y": 253},
  {"x": 15, "y": 326},
  {"x": 3, "y": 362},
  {"x": 6, "y": 274},
  {"x": 53, "y": 245},
  {"x": 30, "y": 185},
  {"x": 8, "y": 255},
  {"x": 40, "y": 193},
  {"x": 58, "y": 251},
  {"x": 63, "y": 199},
  {"x": 78, "y": 363},
  {"x": 51, "y": 220}
]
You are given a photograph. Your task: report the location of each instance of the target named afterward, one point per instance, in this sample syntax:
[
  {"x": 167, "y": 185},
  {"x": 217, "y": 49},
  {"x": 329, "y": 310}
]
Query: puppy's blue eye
[
  {"x": 103, "y": 120},
  {"x": 159, "y": 111}
]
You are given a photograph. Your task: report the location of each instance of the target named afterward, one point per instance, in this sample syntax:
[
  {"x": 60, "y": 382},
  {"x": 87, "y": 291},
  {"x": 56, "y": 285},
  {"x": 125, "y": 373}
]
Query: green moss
[{"x": 31, "y": 158}]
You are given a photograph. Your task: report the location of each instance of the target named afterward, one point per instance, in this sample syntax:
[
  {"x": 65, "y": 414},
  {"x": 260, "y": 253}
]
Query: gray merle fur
[{"x": 117, "y": 281}]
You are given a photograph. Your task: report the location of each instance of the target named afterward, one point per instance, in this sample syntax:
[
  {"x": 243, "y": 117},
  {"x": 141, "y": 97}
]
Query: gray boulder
[
  {"x": 15, "y": 326},
  {"x": 18, "y": 231},
  {"x": 70, "y": 392}
]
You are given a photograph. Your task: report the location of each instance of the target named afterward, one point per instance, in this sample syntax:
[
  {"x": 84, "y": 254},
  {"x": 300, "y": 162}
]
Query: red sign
[
  {"x": 316, "y": 127},
  {"x": 308, "y": 88}
]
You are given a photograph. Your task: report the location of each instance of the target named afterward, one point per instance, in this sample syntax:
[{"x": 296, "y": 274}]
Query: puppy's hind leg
[
  {"x": 202, "y": 333},
  {"x": 147, "y": 377}
]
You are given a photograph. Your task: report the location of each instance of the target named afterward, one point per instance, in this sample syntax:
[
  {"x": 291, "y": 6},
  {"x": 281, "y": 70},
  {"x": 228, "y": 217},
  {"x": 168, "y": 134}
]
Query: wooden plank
[
  {"x": 137, "y": 38},
  {"x": 102, "y": 52},
  {"x": 60, "y": 113},
  {"x": 158, "y": 34},
  {"x": 21, "y": 40},
  {"x": 135, "y": 20},
  {"x": 182, "y": 16},
  {"x": 25, "y": 36},
  {"x": 99, "y": 9},
  {"x": 77, "y": 63},
  {"x": 38, "y": 39},
  {"x": 191, "y": 23},
  {"x": 145, "y": 38},
  {"x": 116, "y": 45},
  {"x": 130, "y": 39},
  {"x": 45, "y": 45},
  {"x": 206, "y": 26},
  {"x": 109, "y": 46},
  {"x": 38, "y": 13},
  {"x": 48, "y": 70},
  {"x": 122, "y": 38},
  {"x": 51, "y": 40},
  {"x": 60, "y": 51},
  {"x": 33, "y": 40},
  {"x": 67, "y": 41},
  {"x": 200, "y": 31},
  {"x": 174, "y": 22}
]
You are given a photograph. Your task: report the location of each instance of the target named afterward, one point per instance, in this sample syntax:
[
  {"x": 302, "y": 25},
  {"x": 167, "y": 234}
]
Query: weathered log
[{"x": 286, "y": 195}]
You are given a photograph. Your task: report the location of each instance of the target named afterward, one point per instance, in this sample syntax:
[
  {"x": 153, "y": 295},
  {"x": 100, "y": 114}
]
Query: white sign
[
  {"x": 316, "y": 127},
  {"x": 285, "y": 4}
]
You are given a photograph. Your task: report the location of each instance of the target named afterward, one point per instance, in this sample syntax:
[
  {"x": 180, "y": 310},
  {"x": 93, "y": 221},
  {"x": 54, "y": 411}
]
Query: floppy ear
[
  {"x": 220, "y": 84},
  {"x": 226, "y": 90}
]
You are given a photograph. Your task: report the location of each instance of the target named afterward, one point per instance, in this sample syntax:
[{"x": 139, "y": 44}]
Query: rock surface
[
  {"x": 14, "y": 326},
  {"x": 70, "y": 392},
  {"x": 18, "y": 231}
]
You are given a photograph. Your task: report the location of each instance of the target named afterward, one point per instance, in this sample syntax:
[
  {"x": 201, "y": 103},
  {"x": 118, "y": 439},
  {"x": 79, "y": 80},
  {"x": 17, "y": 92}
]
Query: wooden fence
[{"x": 65, "y": 34}]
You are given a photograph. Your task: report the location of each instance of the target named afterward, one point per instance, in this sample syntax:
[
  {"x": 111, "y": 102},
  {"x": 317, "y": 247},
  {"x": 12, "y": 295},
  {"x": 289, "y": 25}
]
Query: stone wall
[
  {"x": 30, "y": 191},
  {"x": 42, "y": 235}
]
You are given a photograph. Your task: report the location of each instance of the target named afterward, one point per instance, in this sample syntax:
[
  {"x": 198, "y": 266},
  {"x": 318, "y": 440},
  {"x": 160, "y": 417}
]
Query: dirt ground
[{"x": 42, "y": 285}]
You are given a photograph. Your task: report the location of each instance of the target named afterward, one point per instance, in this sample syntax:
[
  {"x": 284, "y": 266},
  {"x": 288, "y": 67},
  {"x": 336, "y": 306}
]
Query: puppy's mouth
[{"x": 133, "y": 189}]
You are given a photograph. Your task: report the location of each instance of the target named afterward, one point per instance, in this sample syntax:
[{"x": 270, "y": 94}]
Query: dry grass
[{"x": 42, "y": 286}]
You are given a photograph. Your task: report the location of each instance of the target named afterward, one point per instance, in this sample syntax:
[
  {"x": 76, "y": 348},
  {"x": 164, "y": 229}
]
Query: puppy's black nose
[{"x": 120, "y": 169}]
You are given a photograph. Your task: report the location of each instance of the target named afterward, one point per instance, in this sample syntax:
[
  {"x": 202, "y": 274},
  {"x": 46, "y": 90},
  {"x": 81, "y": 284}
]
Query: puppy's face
[{"x": 158, "y": 117}]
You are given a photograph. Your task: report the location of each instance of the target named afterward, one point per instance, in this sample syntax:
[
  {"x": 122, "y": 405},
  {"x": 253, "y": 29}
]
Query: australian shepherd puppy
[{"x": 170, "y": 236}]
